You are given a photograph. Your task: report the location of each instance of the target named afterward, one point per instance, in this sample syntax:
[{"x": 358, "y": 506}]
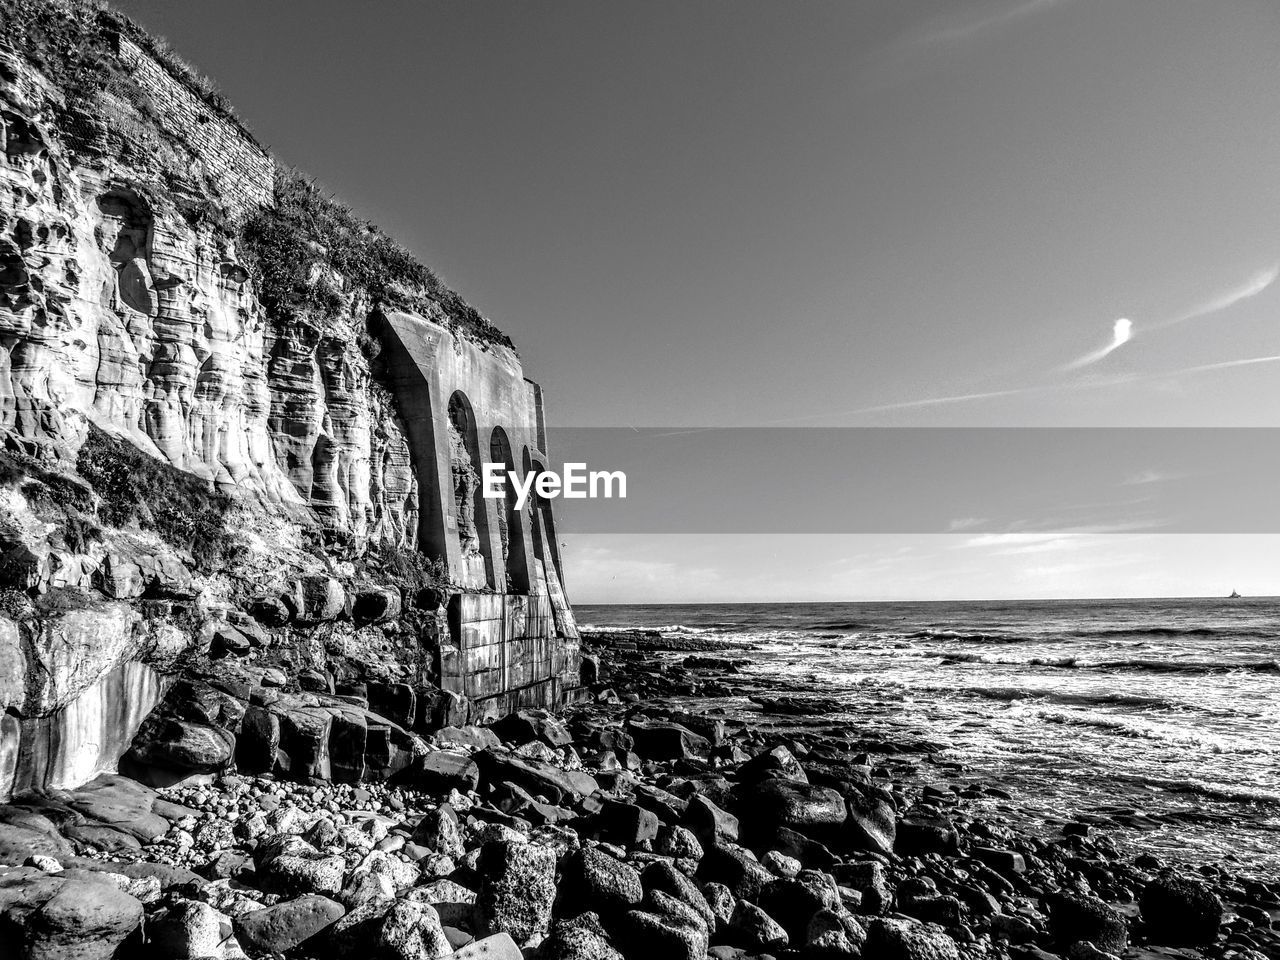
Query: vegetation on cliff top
[
  {"x": 294, "y": 247},
  {"x": 72, "y": 43}
]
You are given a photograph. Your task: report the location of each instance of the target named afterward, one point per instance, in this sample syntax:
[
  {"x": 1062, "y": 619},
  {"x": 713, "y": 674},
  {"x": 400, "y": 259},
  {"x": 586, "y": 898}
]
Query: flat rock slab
[
  {"x": 498, "y": 947},
  {"x": 121, "y": 803}
]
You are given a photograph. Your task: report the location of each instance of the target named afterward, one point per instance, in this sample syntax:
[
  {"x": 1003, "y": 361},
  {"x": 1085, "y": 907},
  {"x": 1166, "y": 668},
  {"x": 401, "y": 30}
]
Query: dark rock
[
  {"x": 280, "y": 928},
  {"x": 754, "y": 929},
  {"x": 872, "y": 824},
  {"x": 919, "y": 837},
  {"x": 794, "y": 901},
  {"x": 1180, "y": 910},
  {"x": 709, "y": 822},
  {"x": 258, "y": 742},
  {"x": 776, "y": 764},
  {"x": 736, "y": 869},
  {"x": 270, "y": 611},
  {"x": 445, "y": 770},
  {"x": 802, "y": 807},
  {"x": 834, "y": 934},
  {"x": 1073, "y": 917},
  {"x": 626, "y": 824},
  {"x": 527, "y": 726},
  {"x": 375, "y": 604},
  {"x": 868, "y": 878},
  {"x": 571, "y": 940},
  {"x": 663, "y": 740}
]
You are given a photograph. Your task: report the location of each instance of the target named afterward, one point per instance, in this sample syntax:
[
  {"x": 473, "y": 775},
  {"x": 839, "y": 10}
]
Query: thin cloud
[
  {"x": 1249, "y": 287},
  {"x": 939, "y": 401},
  {"x": 957, "y": 32},
  {"x": 1222, "y": 365}
]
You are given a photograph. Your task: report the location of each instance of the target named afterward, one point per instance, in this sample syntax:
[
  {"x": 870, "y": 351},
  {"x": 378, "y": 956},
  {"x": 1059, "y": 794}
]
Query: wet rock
[
  {"x": 663, "y": 740},
  {"x": 1178, "y": 909},
  {"x": 872, "y": 823},
  {"x": 529, "y": 726},
  {"x": 776, "y": 764},
  {"x": 280, "y": 928},
  {"x": 709, "y": 822},
  {"x": 517, "y": 891},
  {"x": 919, "y": 837},
  {"x": 1074, "y": 917},
  {"x": 793, "y": 901},
  {"x": 802, "y": 807}
]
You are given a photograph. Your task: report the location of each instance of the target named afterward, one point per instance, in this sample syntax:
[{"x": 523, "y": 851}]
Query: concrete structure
[{"x": 514, "y": 640}]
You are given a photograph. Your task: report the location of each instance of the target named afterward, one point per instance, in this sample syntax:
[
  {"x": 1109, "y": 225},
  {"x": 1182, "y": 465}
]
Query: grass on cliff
[
  {"x": 72, "y": 43},
  {"x": 289, "y": 248},
  {"x": 137, "y": 489}
]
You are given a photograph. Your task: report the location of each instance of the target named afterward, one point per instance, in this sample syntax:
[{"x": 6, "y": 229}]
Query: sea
[{"x": 1159, "y": 719}]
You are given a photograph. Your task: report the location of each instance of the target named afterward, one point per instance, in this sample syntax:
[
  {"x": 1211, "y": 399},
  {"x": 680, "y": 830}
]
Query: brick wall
[{"x": 242, "y": 170}]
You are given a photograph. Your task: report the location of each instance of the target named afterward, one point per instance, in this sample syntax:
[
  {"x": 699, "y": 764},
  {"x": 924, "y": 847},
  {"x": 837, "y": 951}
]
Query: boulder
[
  {"x": 81, "y": 921},
  {"x": 872, "y": 823},
  {"x": 517, "y": 889},
  {"x": 375, "y": 604},
  {"x": 280, "y": 928},
  {"x": 412, "y": 931},
  {"x": 663, "y": 740},
  {"x": 793, "y": 901},
  {"x": 1179, "y": 909},
  {"x": 908, "y": 940},
  {"x": 802, "y": 807},
  {"x": 440, "y": 832},
  {"x": 662, "y": 875},
  {"x": 648, "y": 934},
  {"x": 595, "y": 881},
  {"x": 776, "y": 764},
  {"x": 709, "y": 822},
  {"x": 1074, "y": 917},
  {"x": 192, "y": 929},
  {"x": 752, "y": 928}
]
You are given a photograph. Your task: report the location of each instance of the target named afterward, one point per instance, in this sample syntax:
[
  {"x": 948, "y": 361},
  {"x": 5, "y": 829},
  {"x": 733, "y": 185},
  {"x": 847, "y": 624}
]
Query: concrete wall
[{"x": 514, "y": 640}]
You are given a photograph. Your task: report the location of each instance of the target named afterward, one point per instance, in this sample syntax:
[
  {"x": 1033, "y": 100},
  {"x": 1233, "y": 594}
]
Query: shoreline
[{"x": 683, "y": 810}]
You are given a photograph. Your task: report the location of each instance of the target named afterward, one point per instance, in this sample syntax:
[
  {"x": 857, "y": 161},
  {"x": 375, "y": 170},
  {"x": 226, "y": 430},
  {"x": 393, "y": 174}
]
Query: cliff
[{"x": 241, "y": 431}]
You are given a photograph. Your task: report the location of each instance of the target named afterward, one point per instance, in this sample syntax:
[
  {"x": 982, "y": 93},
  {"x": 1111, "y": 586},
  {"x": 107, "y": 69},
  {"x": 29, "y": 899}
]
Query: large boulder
[
  {"x": 802, "y": 807},
  {"x": 593, "y": 880},
  {"x": 648, "y": 934},
  {"x": 908, "y": 940},
  {"x": 663, "y": 740},
  {"x": 1075, "y": 917},
  {"x": 283, "y": 926},
  {"x": 412, "y": 931},
  {"x": 517, "y": 889},
  {"x": 81, "y": 921},
  {"x": 1180, "y": 910}
]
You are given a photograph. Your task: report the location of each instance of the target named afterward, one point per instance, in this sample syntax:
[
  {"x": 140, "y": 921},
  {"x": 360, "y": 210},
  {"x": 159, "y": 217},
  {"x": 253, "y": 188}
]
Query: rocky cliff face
[{"x": 207, "y": 476}]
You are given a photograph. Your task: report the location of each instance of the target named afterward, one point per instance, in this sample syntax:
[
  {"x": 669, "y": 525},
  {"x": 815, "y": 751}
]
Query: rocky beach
[{"x": 656, "y": 818}]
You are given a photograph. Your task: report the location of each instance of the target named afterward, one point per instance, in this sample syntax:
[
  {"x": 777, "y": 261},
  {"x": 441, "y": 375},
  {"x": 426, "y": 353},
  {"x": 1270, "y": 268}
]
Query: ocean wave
[
  {"x": 1076, "y": 698},
  {"x": 1188, "y": 666},
  {"x": 1151, "y": 631},
  {"x": 960, "y": 636},
  {"x": 1140, "y": 728}
]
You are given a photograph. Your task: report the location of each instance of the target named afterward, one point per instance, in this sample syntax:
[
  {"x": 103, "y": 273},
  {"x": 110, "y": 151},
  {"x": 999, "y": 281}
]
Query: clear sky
[{"x": 881, "y": 213}]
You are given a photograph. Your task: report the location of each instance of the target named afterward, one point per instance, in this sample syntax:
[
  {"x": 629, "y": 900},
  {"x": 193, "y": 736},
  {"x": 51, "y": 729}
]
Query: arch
[
  {"x": 547, "y": 525},
  {"x": 510, "y": 521},
  {"x": 470, "y": 509}
]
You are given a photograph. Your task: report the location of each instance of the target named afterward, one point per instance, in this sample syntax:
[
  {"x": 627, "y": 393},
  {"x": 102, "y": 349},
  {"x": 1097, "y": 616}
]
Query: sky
[{"x": 890, "y": 213}]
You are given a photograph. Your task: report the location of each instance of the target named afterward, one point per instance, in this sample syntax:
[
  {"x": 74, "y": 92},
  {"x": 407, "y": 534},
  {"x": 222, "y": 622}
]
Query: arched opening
[
  {"x": 472, "y": 520},
  {"x": 510, "y": 523},
  {"x": 546, "y": 522}
]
